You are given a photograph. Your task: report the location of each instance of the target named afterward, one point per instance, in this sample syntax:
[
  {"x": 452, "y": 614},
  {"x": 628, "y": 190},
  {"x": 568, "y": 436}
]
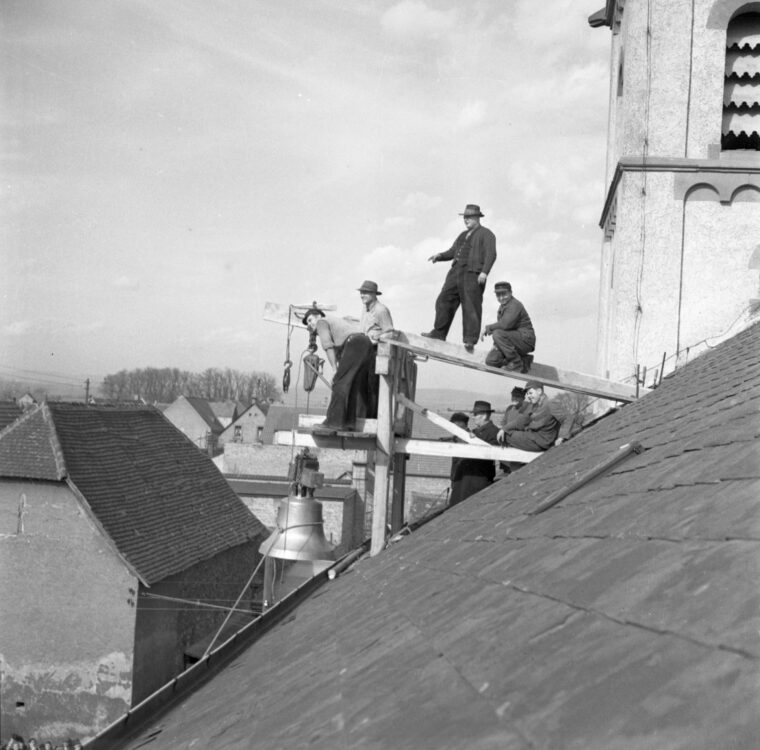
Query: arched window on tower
[{"x": 741, "y": 89}]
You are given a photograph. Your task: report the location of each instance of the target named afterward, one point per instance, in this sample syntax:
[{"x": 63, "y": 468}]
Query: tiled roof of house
[
  {"x": 162, "y": 502},
  {"x": 263, "y": 405},
  {"x": 624, "y": 617},
  {"x": 10, "y": 411},
  {"x": 204, "y": 408},
  {"x": 224, "y": 409}
]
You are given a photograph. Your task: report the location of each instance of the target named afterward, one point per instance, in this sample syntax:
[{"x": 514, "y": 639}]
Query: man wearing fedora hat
[
  {"x": 375, "y": 321},
  {"x": 376, "y": 318},
  {"x": 474, "y": 474},
  {"x": 472, "y": 255}
]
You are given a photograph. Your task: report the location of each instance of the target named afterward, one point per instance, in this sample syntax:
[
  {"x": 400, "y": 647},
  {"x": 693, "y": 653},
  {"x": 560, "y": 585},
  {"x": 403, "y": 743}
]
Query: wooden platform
[{"x": 387, "y": 439}]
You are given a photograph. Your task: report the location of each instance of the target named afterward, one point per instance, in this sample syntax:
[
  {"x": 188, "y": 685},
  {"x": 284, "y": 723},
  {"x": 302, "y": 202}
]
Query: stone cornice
[{"x": 664, "y": 164}]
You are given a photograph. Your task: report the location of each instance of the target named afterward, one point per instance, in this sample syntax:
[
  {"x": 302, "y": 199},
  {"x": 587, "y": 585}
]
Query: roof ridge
[{"x": 55, "y": 443}]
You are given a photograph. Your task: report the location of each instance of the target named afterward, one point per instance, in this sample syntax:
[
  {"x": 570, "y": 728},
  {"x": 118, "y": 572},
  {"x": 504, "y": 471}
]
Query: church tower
[{"x": 681, "y": 220}]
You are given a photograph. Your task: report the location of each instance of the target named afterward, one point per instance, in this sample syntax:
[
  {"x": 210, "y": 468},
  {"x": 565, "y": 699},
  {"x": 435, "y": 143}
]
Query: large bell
[{"x": 300, "y": 531}]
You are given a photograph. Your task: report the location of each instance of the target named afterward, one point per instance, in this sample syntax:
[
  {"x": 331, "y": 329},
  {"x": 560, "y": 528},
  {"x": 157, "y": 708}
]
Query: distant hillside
[
  {"x": 443, "y": 400},
  {"x": 41, "y": 390}
]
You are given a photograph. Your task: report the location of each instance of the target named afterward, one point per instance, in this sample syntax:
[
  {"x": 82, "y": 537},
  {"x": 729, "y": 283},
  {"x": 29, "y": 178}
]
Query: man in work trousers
[
  {"x": 475, "y": 474},
  {"x": 375, "y": 321},
  {"x": 513, "y": 335},
  {"x": 472, "y": 255},
  {"x": 542, "y": 426},
  {"x": 349, "y": 352}
]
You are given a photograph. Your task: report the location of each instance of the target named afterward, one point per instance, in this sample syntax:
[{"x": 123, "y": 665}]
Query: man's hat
[
  {"x": 312, "y": 311},
  {"x": 482, "y": 407},
  {"x": 502, "y": 286},
  {"x": 472, "y": 210},
  {"x": 459, "y": 416},
  {"x": 518, "y": 392},
  {"x": 369, "y": 286},
  {"x": 534, "y": 384}
]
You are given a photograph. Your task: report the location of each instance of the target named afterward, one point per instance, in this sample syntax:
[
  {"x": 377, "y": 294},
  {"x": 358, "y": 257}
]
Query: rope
[{"x": 234, "y": 606}]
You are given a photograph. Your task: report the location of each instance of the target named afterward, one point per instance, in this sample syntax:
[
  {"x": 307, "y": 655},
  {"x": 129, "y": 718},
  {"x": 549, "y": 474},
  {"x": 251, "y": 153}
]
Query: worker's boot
[{"x": 527, "y": 362}]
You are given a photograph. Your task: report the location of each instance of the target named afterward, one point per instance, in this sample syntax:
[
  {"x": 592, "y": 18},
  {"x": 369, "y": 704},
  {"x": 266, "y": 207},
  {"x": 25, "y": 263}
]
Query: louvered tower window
[{"x": 741, "y": 91}]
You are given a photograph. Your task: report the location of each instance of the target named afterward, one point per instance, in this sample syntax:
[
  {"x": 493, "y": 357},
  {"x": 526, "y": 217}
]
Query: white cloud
[
  {"x": 471, "y": 115},
  {"x": 18, "y": 328},
  {"x": 416, "y": 20},
  {"x": 398, "y": 221},
  {"x": 230, "y": 336},
  {"x": 125, "y": 282},
  {"x": 421, "y": 201}
]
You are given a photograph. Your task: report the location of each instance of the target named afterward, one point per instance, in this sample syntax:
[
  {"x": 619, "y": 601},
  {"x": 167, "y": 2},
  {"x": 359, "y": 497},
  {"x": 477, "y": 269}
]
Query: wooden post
[
  {"x": 384, "y": 448},
  {"x": 404, "y": 386}
]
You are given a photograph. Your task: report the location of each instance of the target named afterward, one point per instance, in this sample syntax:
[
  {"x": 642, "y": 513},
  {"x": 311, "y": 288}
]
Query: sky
[{"x": 168, "y": 167}]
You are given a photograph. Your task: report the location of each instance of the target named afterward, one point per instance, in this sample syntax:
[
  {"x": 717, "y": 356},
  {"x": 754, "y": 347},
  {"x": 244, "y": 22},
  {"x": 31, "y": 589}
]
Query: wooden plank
[
  {"x": 415, "y": 446},
  {"x": 442, "y": 422},
  {"x": 422, "y": 447},
  {"x": 306, "y": 421},
  {"x": 345, "y": 441},
  {"x": 566, "y": 380},
  {"x": 293, "y": 314}
]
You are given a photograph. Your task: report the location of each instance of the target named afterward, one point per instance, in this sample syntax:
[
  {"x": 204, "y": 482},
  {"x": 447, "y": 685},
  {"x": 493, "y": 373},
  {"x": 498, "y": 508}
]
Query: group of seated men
[{"x": 528, "y": 425}]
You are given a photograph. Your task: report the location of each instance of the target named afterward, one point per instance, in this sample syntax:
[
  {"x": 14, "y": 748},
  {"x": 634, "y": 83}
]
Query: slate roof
[
  {"x": 162, "y": 502},
  {"x": 626, "y": 617},
  {"x": 204, "y": 408},
  {"x": 10, "y": 411}
]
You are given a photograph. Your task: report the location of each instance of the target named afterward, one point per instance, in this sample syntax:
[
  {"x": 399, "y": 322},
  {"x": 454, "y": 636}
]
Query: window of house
[{"x": 741, "y": 89}]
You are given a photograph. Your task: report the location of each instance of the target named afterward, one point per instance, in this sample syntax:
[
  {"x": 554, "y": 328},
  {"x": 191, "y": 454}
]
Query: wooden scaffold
[{"x": 387, "y": 440}]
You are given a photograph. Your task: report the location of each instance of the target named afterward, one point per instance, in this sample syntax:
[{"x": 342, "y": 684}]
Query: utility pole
[{"x": 87, "y": 391}]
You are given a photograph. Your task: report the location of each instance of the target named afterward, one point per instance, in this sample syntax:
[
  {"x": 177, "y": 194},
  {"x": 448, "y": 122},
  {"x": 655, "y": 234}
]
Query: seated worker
[
  {"x": 375, "y": 321},
  {"x": 513, "y": 335},
  {"x": 350, "y": 353},
  {"x": 516, "y": 416},
  {"x": 542, "y": 428},
  {"x": 474, "y": 474}
]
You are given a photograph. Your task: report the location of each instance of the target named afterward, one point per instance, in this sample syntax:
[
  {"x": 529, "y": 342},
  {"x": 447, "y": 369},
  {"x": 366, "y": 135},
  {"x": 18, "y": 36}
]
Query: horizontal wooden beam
[
  {"x": 414, "y": 446},
  {"x": 421, "y": 447},
  {"x": 566, "y": 380},
  {"x": 368, "y": 426},
  {"x": 440, "y": 421},
  {"x": 349, "y": 442}
]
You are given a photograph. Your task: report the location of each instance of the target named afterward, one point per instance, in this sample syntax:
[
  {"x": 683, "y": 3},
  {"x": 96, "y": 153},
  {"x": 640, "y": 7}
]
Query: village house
[
  {"x": 195, "y": 417},
  {"x": 121, "y": 547},
  {"x": 247, "y": 427}
]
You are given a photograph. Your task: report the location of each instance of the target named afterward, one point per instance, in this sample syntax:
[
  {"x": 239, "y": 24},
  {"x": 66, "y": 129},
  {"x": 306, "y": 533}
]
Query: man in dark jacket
[
  {"x": 472, "y": 255},
  {"x": 513, "y": 335},
  {"x": 474, "y": 474},
  {"x": 542, "y": 428}
]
